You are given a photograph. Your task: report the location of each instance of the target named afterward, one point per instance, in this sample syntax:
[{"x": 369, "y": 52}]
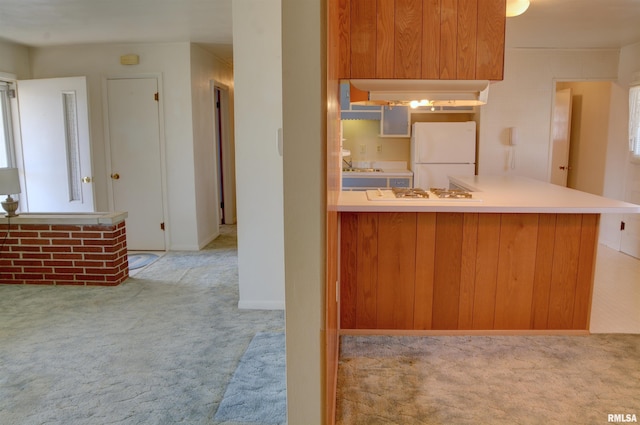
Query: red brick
[
  {"x": 36, "y": 256},
  {"x": 38, "y": 282},
  {"x": 100, "y": 271},
  {"x": 25, "y": 248},
  {"x": 29, "y": 276},
  {"x": 67, "y": 242},
  {"x": 24, "y": 263},
  {"x": 97, "y": 242},
  {"x": 100, "y": 257},
  {"x": 97, "y": 278},
  {"x": 35, "y": 241},
  {"x": 11, "y": 241},
  {"x": 35, "y": 227},
  {"x": 63, "y": 227},
  {"x": 86, "y": 235},
  {"x": 11, "y": 269},
  {"x": 65, "y": 256},
  {"x": 59, "y": 276},
  {"x": 95, "y": 264},
  {"x": 56, "y": 249},
  {"x": 51, "y": 235},
  {"x": 69, "y": 270},
  {"x": 24, "y": 234},
  {"x": 85, "y": 249},
  {"x": 38, "y": 270},
  {"x": 58, "y": 263}
]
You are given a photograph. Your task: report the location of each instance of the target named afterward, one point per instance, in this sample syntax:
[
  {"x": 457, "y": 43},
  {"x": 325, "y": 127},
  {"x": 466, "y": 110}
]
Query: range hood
[{"x": 420, "y": 92}]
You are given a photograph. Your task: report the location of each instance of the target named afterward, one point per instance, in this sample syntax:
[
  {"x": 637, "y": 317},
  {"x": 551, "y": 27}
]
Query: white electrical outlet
[
  {"x": 363, "y": 148},
  {"x": 379, "y": 148}
]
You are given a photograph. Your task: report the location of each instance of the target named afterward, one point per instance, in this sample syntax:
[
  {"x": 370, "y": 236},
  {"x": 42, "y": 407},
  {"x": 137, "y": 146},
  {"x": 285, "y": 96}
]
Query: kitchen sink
[{"x": 362, "y": 170}]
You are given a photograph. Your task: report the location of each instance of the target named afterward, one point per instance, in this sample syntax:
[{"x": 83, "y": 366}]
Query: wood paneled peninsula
[{"x": 521, "y": 258}]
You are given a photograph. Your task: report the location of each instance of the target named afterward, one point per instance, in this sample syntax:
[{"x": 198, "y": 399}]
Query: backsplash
[{"x": 363, "y": 140}]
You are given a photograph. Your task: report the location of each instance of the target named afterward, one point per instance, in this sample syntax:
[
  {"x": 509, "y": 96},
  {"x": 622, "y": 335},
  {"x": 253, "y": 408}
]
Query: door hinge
[
  {"x": 162, "y": 226},
  {"x": 218, "y": 104},
  {"x": 11, "y": 93},
  {"x": 221, "y": 205},
  {"x": 156, "y": 96},
  {"x": 622, "y": 225}
]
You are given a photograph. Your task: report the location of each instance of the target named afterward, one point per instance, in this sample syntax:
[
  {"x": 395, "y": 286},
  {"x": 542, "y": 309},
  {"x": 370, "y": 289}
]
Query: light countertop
[
  {"x": 99, "y": 218},
  {"x": 496, "y": 194}
]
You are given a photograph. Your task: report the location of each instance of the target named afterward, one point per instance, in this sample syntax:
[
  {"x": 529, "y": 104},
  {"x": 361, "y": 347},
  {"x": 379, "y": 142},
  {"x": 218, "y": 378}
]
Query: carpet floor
[
  {"x": 488, "y": 379},
  {"x": 160, "y": 348}
]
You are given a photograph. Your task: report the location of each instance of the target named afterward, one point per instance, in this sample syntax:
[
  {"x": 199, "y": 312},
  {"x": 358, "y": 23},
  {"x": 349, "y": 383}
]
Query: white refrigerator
[{"x": 442, "y": 149}]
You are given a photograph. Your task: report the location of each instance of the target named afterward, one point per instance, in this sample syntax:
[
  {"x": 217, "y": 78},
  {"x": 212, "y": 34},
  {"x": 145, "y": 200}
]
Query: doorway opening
[{"x": 224, "y": 153}]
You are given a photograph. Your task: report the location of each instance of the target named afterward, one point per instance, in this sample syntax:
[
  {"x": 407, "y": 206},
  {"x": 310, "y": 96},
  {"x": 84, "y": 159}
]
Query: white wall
[
  {"x": 172, "y": 62},
  {"x": 14, "y": 59},
  {"x": 258, "y": 116},
  {"x": 621, "y": 174},
  {"x": 305, "y": 163},
  {"x": 524, "y": 100},
  {"x": 204, "y": 139}
]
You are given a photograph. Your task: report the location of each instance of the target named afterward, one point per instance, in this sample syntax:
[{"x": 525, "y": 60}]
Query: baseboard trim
[{"x": 489, "y": 332}]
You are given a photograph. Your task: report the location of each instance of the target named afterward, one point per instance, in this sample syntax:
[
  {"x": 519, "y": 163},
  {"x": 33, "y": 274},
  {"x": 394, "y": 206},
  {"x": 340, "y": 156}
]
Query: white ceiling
[{"x": 547, "y": 23}]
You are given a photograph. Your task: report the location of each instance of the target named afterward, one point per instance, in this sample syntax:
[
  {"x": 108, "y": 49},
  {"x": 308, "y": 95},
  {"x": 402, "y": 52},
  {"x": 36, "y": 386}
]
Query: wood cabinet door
[
  {"x": 430, "y": 39},
  {"x": 363, "y": 19},
  {"x": 490, "y": 40}
]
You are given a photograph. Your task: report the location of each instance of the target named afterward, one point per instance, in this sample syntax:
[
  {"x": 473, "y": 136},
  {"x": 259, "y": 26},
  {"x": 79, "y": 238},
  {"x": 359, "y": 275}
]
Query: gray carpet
[
  {"x": 159, "y": 349},
  {"x": 140, "y": 259},
  {"x": 488, "y": 380},
  {"x": 257, "y": 392}
]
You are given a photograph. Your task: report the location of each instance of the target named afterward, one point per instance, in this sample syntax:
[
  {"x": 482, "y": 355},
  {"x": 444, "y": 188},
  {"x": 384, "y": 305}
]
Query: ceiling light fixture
[{"x": 516, "y": 7}]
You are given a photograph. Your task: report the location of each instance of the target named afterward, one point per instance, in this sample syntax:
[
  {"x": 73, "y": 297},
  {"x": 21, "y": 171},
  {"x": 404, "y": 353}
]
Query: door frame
[
  {"x": 227, "y": 159},
  {"x": 107, "y": 143}
]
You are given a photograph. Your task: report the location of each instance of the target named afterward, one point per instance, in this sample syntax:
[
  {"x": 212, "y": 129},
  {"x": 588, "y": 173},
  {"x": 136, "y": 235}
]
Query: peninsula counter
[{"x": 521, "y": 259}]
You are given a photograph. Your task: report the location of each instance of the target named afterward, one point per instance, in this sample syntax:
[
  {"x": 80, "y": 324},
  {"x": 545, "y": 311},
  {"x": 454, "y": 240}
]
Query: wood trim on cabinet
[{"x": 468, "y": 270}]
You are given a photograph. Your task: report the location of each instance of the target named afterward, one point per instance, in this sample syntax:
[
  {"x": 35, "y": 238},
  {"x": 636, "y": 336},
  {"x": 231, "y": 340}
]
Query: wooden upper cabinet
[{"x": 422, "y": 39}]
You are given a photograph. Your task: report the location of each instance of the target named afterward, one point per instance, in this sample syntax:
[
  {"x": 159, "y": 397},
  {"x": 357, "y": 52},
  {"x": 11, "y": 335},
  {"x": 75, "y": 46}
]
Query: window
[
  {"x": 634, "y": 121},
  {"x": 6, "y": 139}
]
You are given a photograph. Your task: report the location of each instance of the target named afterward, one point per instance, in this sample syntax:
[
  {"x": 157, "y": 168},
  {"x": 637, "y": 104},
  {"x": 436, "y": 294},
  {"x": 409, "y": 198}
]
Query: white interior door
[
  {"x": 56, "y": 148},
  {"x": 136, "y": 173},
  {"x": 561, "y": 137}
]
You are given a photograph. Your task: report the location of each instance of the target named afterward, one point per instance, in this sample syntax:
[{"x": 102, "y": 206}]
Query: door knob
[
  {"x": 86, "y": 180},
  {"x": 562, "y": 167},
  {"x": 115, "y": 176}
]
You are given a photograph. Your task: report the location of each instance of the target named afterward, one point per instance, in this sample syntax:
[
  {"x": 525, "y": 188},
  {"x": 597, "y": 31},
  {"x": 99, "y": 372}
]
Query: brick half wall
[{"x": 59, "y": 254}]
